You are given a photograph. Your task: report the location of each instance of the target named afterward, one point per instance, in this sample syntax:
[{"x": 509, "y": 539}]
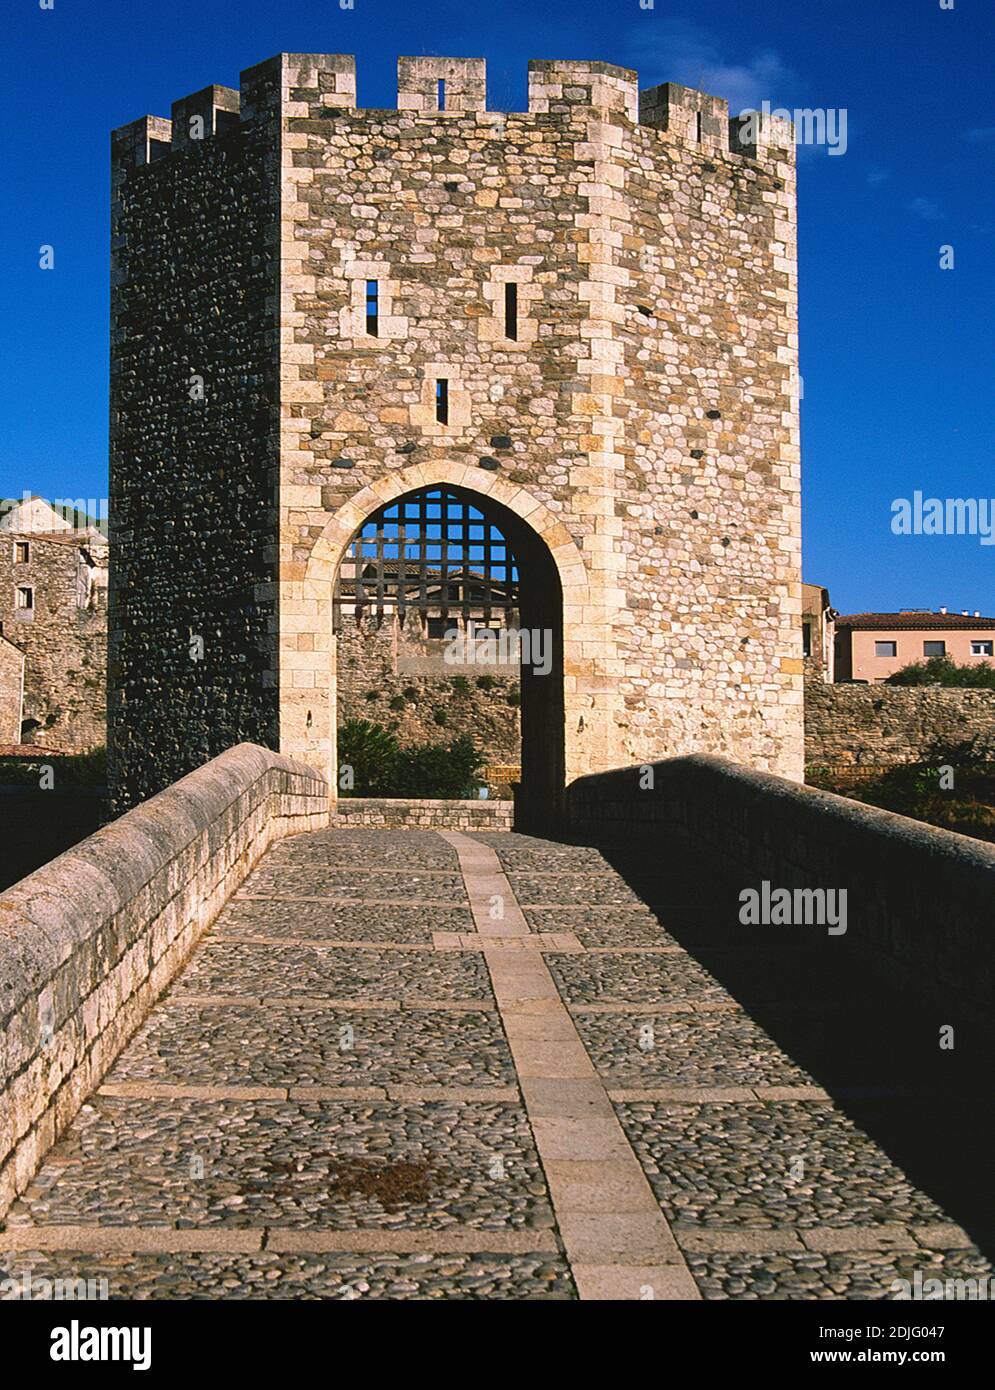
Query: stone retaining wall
[
  {"x": 425, "y": 814},
  {"x": 388, "y": 677},
  {"x": 895, "y": 724},
  {"x": 90, "y": 941},
  {"x": 919, "y": 899}
]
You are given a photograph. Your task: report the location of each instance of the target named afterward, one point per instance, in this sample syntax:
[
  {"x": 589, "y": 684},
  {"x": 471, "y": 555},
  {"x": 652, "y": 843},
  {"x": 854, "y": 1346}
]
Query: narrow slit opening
[
  {"x": 511, "y": 311},
  {"x": 373, "y": 308},
  {"x": 442, "y": 95},
  {"x": 442, "y": 401}
]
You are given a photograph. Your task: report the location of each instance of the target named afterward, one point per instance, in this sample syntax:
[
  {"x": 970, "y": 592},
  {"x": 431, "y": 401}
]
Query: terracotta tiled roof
[{"x": 912, "y": 622}]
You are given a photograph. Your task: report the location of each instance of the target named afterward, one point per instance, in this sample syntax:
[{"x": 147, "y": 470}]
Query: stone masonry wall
[
  {"x": 411, "y": 814},
  {"x": 89, "y": 941},
  {"x": 11, "y": 690},
  {"x": 422, "y": 707},
  {"x": 879, "y": 724},
  {"x": 63, "y": 636},
  {"x": 918, "y": 898},
  {"x": 193, "y": 417}
]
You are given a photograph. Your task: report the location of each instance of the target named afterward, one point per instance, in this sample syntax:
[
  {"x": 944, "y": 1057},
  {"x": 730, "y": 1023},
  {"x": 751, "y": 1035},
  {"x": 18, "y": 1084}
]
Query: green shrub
[
  {"x": 460, "y": 683},
  {"x": 440, "y": 771},
  {"x": 440, "y": 716},
  {"x": 381, "y": 767},
  {"x": 372, "y": 752},
  {"x": 486, "y": 682},
  {"x": 397, "y": 702},
  {"x": 410, "y": 692},
  {"x": 943, "y": 670}
]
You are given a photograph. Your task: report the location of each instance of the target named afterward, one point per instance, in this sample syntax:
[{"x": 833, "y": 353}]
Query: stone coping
[
  {"x": 919, "y": 897},
  {"x": 90, "y": 940}
]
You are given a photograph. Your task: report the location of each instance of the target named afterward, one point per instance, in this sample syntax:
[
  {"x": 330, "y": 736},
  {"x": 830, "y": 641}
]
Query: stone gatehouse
[{"x": 580, "y": 319}]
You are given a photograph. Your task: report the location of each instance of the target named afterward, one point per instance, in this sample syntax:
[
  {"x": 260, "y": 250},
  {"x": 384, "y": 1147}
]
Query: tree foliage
[
  {"x": 943, "y": 670},
  {"x": 382, "y": 767}
]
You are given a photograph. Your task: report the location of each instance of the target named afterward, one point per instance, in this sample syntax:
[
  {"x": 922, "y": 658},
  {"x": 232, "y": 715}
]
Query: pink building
[{"x": 873, "y": 646}]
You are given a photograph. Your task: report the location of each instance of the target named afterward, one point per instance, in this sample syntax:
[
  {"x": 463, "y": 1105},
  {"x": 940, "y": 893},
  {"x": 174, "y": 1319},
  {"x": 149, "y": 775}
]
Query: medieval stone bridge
[{"x": 250, "y": 1053}]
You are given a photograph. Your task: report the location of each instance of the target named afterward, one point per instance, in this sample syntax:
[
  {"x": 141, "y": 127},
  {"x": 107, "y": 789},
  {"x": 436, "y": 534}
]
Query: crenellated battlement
[{"x": 319, "y": 85}]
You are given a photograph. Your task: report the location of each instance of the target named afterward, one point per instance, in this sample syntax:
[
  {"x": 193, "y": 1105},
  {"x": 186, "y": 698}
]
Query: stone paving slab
[
  {"x": 755, "y": 1165},
  {"x": 228, "y": 1046},
  {"x": 287, "y": 1276},
  {"x": 221, "y": 967},
  {"x": 292, "y": 919},
  {"x": 666, "y": 1049},
  {"x": 310, "y": 1165}
]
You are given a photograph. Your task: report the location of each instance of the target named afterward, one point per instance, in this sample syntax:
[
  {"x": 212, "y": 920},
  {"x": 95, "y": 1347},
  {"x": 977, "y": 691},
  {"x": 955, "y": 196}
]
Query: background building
[
  {"x": 53, "y": 613},
  {"x": 872, "y": 646},
  {"x": 818, "y": 633}
]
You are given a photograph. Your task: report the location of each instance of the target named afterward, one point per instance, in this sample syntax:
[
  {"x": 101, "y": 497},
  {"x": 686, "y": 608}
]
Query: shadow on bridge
[{"x": 836, "y": 1015}]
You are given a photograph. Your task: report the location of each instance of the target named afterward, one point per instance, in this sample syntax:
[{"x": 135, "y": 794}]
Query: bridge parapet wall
[
  {"x": 919, "y": 899},
  {"x": 89, "y": 941}
]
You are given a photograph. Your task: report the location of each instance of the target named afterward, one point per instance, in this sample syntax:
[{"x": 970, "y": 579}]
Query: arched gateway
[{"x": 461, "y": 557}]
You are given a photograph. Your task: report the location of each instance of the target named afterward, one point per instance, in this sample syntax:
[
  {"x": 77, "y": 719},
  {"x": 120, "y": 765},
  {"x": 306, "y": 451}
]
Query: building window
[
  {"x": 806, "y": 639},
  {"x": 373, "y": 308},
  {"x": 25, "y": 599},
  {"x": 934, "y": 648},
  {"x": 442, "y": 402},
  {"x": 885, "y": 648},
  {"x": 511, "y": 311},
  {"x": 438, "y": 627},
  {"x": 982, "y": 649},
  {"x": 442, "y": 95},
  {"x": 22, "y": 552}
]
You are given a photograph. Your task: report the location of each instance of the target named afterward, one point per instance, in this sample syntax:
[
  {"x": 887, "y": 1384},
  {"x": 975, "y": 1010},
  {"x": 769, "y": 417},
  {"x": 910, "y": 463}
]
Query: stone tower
[{"x": 584, "y": 317}]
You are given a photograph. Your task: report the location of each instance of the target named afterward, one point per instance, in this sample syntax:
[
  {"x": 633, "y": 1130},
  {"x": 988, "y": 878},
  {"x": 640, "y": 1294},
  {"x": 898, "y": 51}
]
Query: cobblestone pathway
[{"x": 421, "y": 1065}]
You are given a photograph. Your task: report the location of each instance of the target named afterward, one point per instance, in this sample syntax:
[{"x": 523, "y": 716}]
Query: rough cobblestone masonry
[
  {"x": 61, "y": 632},
  {"x": 649, "y": 397},
  {"x": 388, "y": 678},
  {"x": 879, "y": 724}
]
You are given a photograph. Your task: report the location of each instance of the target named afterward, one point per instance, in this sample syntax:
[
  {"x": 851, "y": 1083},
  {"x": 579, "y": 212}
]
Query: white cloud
[
  {"x": 926, "y": 209},
  {"x": 674, "y": 51}
]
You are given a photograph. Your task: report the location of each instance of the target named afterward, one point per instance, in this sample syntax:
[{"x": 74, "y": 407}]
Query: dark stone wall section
[
  {"x": 195, "y": 245},
  {"x": 919, "y": 899}
]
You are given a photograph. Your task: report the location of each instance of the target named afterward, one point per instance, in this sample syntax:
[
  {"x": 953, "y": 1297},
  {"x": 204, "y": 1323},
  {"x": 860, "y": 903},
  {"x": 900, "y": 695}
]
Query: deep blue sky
[{"x": 897, "y": 355}]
